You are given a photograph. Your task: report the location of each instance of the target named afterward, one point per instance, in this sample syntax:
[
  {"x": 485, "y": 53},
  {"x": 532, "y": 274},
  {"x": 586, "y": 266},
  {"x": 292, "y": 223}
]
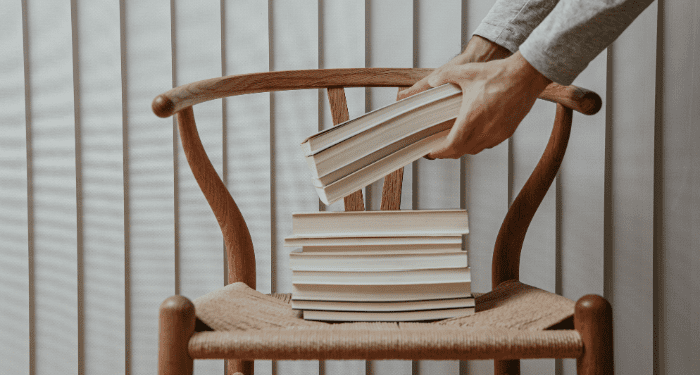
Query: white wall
[{"x": 101, "y": 220}]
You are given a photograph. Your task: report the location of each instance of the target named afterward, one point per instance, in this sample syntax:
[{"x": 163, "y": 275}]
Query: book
[
  {"x": 320, "y": 243},
  {"x": 377, "y": 170},
  {"x": 302, "y": 261},
  {"x": 355, "y": 153},
  {"x": 366, "y": 125},
  {"x": 452, "y": 303},
  {"x": 367, "y": 293},
  {"x": 393, "y": 316},
  {"x": 382, "y": 249},
  {"x": 380, "y": 223},
  {"x": 333, "y": 163},
  {"x": 383, "y": 277},
  {"x": 402, "y": 265}
]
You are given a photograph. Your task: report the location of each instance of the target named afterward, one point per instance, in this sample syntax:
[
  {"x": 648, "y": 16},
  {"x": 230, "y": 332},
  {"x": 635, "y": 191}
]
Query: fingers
[
  {"x": 419, "y": 86},
  {"x": 457, "y": 74},
  {"x": 453, "y": 151},
  {"x": 467, "y": 136}
]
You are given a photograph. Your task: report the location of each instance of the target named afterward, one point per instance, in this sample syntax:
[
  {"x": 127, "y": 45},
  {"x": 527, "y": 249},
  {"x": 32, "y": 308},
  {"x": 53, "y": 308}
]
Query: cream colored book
[
  {"x": 453, "y": 303},
  {"x": 393, "y": 316},
  {"x": 388, "y": 124},
  {"x": 381, "y": 249},
  {"x": 380, "y": 223},
  {"x": 303, "y": 261},
  {"x": 371, "y": 276},
  {"x": 359, "y": 179},
  {"x": 320, "y": 243},
  {"x": 353, "y": 154},
  {"x": 371, "y": 293}
]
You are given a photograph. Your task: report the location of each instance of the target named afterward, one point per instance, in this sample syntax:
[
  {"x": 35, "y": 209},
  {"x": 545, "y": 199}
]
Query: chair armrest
[{"x": 173, "y": 100}]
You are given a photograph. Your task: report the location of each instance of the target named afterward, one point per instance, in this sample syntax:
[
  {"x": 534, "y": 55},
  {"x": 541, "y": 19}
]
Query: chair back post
[
  {"x": 339, "y": 111},
  {"x": 391, "y": 190},
  {"x": 239, "y": 246},
  {"x": 509, "y": 243}
]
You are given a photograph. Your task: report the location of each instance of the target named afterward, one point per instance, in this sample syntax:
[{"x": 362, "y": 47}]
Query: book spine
[
  {"x": 380, "y": 223},
  {"x": 384, "y": 306},
  {"x": 454, "y": 275},
  {"x": 330, "y": 242},
  {"x": 377, "y": 262},
  {"x": 368, "y": 293},
  {"x": 403, "y": 316}
]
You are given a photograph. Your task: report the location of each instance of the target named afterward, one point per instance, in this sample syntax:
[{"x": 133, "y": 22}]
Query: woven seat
[{"x": 511, "y": 322}]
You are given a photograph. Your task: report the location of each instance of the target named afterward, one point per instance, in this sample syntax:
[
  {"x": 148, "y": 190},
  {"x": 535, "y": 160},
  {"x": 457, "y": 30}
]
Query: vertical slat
[
  {"x": 485, "y": 191},
  {"x": 14, "y": 280},
  {"x": 339, "y": 110},
  {"x": 150, "y": 174},
  {"x": 581, "y": 196},
  {"x": 197, "y": 56},
  {"x": 677, "y": 194},
  {"x": 582, "y": 191},
  {"x": 53, "y": 230},
  {"x": 247, "y": 133},
  {"x": 102, "y": 185},
  {"x": 538, "y": 259},
  {"x": 630, "y": 231},
  {"x": 342, "y": 45},
  {"x": 392, "y": 188},
  {"x": 438, "y": 39},
  {"x": 294, "y": 45},
  {"x": 389, "y": 28}
]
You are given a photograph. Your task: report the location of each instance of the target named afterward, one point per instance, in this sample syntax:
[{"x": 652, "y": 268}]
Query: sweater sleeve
[
  {"x": 510, "y": 22},
  {"x": 575, "y": 32}
]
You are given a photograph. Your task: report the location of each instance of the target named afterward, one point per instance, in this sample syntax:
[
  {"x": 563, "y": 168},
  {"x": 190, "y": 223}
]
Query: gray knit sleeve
[
  {"x": 575, "y": 32},
  {"x": 510, "y": 22}
]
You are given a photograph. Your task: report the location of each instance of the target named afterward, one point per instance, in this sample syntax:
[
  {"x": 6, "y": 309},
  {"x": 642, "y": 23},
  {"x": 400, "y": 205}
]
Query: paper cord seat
[{"x": 512, "y": 321}]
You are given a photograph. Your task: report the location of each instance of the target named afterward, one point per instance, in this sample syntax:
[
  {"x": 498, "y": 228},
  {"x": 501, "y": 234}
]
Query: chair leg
[
  {"x": 593, "y": 321},
  {"x": 236, "y": 366},
  {"x": 506, "y": 367},
  {"x": 177, "y": 318}
]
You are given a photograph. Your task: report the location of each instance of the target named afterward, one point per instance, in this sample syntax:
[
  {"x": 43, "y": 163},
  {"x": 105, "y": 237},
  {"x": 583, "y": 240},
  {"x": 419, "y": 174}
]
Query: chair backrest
[{"x": 239, "y": 247}]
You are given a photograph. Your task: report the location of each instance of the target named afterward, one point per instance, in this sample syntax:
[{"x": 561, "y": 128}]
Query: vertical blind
[{"x": 101, "y": 219}]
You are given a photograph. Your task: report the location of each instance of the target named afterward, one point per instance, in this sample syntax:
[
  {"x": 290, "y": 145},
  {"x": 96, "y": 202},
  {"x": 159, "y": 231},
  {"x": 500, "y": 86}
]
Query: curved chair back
[{"x": 239, "y": 247}]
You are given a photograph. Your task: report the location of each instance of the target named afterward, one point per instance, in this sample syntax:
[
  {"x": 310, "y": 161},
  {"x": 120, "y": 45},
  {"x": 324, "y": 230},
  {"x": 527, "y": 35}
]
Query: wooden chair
[{"x": 184, "y": 337}]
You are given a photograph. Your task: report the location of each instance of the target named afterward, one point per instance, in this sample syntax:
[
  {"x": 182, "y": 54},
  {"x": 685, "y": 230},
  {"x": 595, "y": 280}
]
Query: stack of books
[
  {"x": 380, "y": 265},
  {"x": 353, "y": 154}
]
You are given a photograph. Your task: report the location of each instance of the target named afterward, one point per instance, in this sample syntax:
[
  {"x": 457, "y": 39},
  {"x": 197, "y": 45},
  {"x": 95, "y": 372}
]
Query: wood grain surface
[
  {"x": 339, "y": 111},
  {"x": 170, "y": 102}
]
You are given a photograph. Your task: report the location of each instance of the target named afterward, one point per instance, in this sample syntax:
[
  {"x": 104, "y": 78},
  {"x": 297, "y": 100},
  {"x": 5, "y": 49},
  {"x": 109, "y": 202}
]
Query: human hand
[
  {"x": 496, "y": 96},
  {"x": 478, "y": 50}
]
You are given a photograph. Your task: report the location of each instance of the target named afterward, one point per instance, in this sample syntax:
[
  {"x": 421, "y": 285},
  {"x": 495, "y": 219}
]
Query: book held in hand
[{"x": 353, "y": 154}]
